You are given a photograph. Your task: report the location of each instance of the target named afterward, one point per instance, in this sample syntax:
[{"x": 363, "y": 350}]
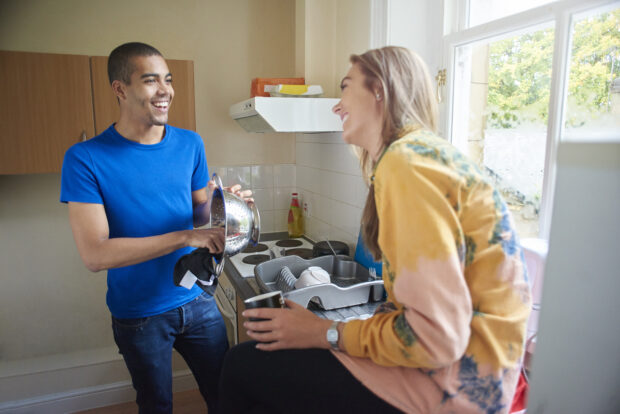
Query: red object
[
  {"x": 295, "y": 199},
  {"x": 519, "y": 401},
  {"x": 258, "y": 84}
]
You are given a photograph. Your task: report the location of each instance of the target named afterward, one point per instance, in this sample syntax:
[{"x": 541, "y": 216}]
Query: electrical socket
[{"x": 306, "y": 209}]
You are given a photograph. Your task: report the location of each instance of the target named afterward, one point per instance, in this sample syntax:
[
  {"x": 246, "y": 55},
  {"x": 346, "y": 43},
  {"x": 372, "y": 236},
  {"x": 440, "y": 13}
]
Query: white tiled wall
[
  {"x": 328, "y": 179},
  {"x": 331, "y": 186},
  {"x": 272, "y": 186}
]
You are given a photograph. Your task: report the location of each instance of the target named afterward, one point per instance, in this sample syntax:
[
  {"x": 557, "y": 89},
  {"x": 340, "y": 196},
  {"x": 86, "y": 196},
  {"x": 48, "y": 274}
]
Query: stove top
[
  {"x": 254, "y": 259},
  {"x": 260, "y": 247},
  {"x": 301, "y": 252},
  {"x": 289, "y": 243},
  {"x": 245, "y": 261}
]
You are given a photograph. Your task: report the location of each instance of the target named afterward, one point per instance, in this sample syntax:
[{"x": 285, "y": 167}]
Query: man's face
[{"x": 149, "y": 95}]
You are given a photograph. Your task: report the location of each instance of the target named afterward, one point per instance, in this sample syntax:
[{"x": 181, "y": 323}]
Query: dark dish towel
[{"x": 199, "y": 263}]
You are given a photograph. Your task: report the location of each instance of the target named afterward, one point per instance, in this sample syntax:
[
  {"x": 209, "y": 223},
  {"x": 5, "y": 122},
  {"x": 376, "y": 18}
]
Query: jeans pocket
[
  {"x": 204, "y": 297},
  {"x": 129, "y": 323}
]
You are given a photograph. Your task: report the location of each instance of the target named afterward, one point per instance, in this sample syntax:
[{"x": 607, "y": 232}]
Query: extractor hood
[{"x": 274, "y": 114}]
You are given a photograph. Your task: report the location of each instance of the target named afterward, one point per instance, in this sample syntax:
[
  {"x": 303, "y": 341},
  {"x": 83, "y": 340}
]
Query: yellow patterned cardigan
[{"x": 450, "y": 336}]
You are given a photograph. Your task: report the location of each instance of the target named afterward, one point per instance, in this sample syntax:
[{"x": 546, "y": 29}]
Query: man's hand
[
  {"x": 201, "y": 200},
  {"x": 212, "y": 239},
  {"x": 245, "y": 195}
]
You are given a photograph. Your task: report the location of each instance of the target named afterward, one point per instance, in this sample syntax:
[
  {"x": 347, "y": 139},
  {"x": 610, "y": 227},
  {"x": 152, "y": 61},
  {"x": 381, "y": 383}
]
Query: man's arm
[
  {"x": 89, "y": 224},
  {"x": 201, "y": 204}
]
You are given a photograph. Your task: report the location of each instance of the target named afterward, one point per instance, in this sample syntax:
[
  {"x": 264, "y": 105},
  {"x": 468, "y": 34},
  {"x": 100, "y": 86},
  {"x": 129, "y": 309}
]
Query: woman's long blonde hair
[{"x": 408, "y": 102}]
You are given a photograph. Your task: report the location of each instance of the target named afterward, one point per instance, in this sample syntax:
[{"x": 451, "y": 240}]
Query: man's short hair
[{"x": 120, "y": 65}]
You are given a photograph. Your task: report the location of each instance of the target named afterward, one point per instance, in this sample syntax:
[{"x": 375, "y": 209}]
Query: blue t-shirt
[{"x": 146, "y": 190}]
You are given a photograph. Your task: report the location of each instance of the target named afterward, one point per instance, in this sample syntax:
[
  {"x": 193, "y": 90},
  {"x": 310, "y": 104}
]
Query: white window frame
[{"x": 561, "y": 13}]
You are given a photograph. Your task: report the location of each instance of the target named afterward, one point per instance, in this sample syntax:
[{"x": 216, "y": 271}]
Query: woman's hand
[{"x": 291, "y": 327}]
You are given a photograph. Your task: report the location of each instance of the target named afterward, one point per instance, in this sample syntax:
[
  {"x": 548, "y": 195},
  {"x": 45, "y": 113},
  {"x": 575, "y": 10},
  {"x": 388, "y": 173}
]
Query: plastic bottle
[{"x": 295, "y": 218}]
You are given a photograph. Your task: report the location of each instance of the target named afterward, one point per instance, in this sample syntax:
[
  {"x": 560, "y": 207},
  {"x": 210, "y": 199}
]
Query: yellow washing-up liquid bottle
[{"x": 295, "y": 218}]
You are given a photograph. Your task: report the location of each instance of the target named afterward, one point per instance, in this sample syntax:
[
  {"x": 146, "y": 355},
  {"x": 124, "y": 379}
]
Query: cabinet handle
[{"x": 83, "y": 136}]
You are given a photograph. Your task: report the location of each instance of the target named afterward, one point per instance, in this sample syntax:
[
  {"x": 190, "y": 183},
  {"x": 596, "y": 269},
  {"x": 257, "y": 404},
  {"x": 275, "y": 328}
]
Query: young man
[{"x": 134, "y": 193}]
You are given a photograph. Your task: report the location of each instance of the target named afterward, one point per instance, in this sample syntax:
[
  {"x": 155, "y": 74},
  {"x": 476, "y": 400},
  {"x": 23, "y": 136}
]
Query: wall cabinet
[
  {"x": 52, "y": 101},
  {"x": 47, "y": 106}
]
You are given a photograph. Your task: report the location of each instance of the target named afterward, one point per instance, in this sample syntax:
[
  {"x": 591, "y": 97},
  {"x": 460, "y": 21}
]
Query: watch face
[{"x": 332, "y": 335}]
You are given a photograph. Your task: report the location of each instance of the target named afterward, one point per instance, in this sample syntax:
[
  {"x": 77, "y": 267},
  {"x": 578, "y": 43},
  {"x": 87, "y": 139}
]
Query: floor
[{"x": 185, "y": 402}]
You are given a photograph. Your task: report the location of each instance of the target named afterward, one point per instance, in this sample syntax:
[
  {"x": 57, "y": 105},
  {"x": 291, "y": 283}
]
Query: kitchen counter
[{"x": 247, "y": 287}]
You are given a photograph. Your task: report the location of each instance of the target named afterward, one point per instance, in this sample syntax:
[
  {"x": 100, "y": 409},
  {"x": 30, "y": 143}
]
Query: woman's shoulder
[
  {"x": 424, "y": 144},
  {"x": 418, "y": 148},
  {"x": 431, "y": 155}
]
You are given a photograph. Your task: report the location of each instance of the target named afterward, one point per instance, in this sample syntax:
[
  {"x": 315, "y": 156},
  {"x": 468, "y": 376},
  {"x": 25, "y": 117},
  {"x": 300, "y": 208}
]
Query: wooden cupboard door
[
  {"x": 46, "y": 108},
  {"x": 182, "y": 113},
  {"x": 104, "y": 100}
]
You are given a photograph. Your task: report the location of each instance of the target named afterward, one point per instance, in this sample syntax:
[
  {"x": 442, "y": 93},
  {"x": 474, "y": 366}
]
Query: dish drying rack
[{"x": 350, "y": 283}]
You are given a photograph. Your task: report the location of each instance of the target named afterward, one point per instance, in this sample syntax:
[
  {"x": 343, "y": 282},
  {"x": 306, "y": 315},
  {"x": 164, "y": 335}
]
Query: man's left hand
[{"x": 245, "y": 195}]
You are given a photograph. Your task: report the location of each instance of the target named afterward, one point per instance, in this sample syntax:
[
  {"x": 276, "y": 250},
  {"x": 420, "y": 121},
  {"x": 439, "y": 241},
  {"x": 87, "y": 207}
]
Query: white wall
[
  {"x": 417, "y": 25},
  {"x": 330, "y": 183},
  {"x": 575, "y": 367}
]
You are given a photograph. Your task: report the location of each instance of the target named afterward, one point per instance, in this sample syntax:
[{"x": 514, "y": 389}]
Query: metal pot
[
  {"x": 240, "y": 221},
  {"x": 323, "y": 248}
]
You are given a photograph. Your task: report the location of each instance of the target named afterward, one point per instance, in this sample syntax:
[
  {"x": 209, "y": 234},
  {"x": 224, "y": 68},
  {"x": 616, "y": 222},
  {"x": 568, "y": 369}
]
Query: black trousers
[{"x": 292, "y": 381}]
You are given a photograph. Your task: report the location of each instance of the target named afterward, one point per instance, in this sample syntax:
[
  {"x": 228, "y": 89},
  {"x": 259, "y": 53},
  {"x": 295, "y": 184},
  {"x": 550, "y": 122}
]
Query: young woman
[{"x": 450, "y": 336}]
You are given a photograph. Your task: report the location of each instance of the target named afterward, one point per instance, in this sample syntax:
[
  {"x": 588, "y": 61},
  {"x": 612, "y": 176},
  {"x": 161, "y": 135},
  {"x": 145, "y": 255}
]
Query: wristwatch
[{"x": 333, "y": 336}]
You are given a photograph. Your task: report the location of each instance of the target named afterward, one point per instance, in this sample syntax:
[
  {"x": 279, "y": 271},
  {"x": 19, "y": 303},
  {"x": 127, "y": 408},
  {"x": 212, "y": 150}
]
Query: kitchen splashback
[
  {"x": 327, "y": 178},
  {"x": 330, "y": 182},
  {"x": 271, "y": 185}
]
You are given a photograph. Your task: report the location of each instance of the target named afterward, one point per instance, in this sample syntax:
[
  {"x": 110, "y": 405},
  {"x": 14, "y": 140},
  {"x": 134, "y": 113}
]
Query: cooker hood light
[{"x": 273, "y": 114}]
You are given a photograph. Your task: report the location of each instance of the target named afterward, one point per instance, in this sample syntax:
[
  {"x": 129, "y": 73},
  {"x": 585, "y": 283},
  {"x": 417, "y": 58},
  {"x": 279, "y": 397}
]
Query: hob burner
[
  {"x": 255, "y": 259},
  {"x": 260, "y": 247},
  {"x": 303, "y": 253},
  {"x": 289, "y": 243}
]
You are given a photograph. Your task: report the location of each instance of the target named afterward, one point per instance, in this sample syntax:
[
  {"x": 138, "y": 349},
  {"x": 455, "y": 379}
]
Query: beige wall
[
  {"x": 229, "y": 41},
  {"x": 328, "y": 174},
  {"x": 333, "y": 30},
  {"x": 49, "y": 303}
]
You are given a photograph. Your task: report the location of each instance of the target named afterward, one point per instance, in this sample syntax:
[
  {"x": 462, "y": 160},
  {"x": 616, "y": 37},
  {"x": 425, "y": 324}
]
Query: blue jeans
[{"x": 196, "y": 330}]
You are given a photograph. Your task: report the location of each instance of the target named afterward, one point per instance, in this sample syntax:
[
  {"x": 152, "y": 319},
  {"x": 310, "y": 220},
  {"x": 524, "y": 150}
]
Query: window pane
[
  {"x": 501, "y": 101},
  {"x": 482, "y": 11},
  {"x": 592, "y": 108}
]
